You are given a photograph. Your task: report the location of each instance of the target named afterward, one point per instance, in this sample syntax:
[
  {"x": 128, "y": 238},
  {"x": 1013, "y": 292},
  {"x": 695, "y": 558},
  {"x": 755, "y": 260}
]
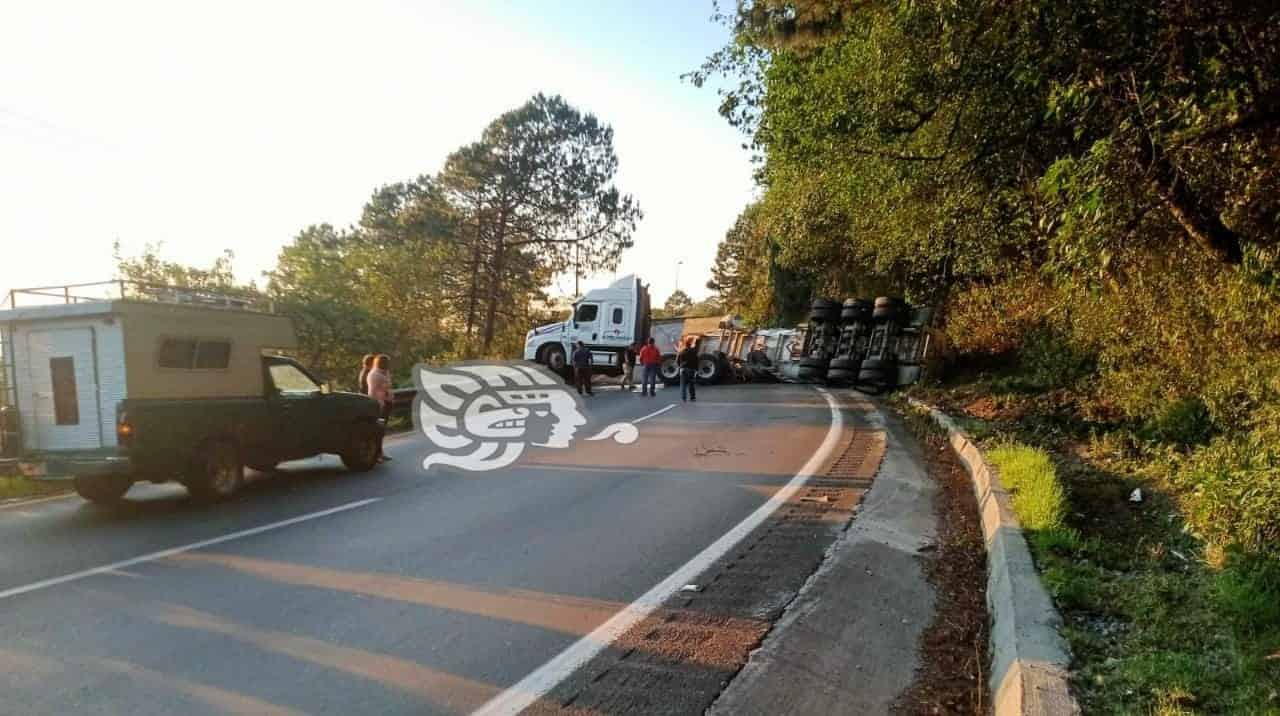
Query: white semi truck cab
[{"x": 607, "y": 320}]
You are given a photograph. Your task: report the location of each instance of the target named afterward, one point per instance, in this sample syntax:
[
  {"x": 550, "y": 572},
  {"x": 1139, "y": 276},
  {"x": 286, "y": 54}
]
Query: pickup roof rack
[{"x": 121, "y": 289}]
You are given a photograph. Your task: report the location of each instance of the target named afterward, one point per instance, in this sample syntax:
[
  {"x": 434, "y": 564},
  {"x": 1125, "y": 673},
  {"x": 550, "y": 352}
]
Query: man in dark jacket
[
  {"x": 629, "y": 366},
  {"x": 687, "y": 359},
  {"x": 582, "y": 368}
]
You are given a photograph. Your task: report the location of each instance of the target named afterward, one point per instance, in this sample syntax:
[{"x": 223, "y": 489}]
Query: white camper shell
[{"x": 67, "y": 366}]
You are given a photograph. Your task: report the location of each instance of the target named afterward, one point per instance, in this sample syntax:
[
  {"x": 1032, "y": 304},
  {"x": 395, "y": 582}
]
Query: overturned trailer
[{"x": 869, "y": 345}]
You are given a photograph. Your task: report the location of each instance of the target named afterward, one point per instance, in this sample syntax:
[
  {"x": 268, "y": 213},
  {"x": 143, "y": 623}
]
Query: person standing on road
[
  {"x": 650, "y": 360},
  {"x": 582, "y": 368},
  {"x": 366, "y": 365},
  {"x": 379, "y": 388},
  {"x": 629, "y": 367},
  {"x": 687, "y": 359}
]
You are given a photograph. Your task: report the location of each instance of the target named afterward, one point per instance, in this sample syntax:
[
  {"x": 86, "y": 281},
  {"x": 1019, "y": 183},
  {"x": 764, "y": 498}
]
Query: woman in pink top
[{"x": 379, "y": 381}]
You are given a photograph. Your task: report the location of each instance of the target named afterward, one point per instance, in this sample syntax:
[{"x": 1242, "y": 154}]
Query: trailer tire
[
  {"x": 886, "y": 309},
  {"x": 841, "y": 376},
  {"x": 824, "y": 311},
  {"x": 876, "y": 372},
  {"x": 856, "y": 311},
  {"x": 709, "y": 370},
  {"x": 103, "y": 489},
  {"x": 810, "y": 373},
  {"x": 669, "y": 371},
  {"x": 726, "y": 367},
  {"x": 217, "y": 472}
]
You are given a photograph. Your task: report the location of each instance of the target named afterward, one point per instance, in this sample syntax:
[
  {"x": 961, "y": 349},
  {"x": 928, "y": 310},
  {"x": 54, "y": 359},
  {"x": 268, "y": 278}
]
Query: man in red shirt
[{"x": 651, "y": 359}]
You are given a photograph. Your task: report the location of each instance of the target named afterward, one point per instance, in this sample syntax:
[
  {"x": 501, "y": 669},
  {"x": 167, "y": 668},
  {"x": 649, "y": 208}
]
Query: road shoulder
[{"x": 848, "y": 642}]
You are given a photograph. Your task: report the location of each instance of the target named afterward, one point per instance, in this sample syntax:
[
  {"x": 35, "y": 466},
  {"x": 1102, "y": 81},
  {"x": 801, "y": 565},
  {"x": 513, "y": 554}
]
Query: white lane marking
[
  {"x": 116, "y": 566},
  {"x": 534, "y": 686},
  {"x": 654, "y": 414},
  {"x": 34, "y": 501}
]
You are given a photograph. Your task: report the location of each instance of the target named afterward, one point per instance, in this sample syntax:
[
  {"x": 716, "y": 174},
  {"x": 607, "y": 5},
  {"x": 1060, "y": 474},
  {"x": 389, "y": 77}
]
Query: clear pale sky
[{"x": 235, "y": 124}]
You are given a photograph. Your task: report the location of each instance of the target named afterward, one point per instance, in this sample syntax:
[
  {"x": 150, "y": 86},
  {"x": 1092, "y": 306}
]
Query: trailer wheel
[
  {"x": 839, "y": 376},
  {"x": 709, "y": 370},
  {"x": 810, "y": 374},
  {"x": 669, "y": 370},
  {"x": 103, "y": 489},
  {"x": 886, "y": 309},
  {"x": 218, "y": 472}
]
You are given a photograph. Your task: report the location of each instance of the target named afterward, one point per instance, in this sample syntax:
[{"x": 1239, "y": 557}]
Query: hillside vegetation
[{"x": 1089, "y": 191}]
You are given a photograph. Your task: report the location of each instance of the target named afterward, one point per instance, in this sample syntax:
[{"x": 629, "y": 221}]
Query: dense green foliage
[{"x": 1089, "y": 190}]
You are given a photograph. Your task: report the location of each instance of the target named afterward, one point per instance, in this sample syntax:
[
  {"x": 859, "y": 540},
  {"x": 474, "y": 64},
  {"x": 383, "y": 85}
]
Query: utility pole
[
  {"x": 575, "y": 271},
  {"x": 678, "y": 264}
]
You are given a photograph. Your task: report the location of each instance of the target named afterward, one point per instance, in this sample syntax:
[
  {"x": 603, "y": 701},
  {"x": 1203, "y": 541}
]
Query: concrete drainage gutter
[{"x": 1029, "y": 659}]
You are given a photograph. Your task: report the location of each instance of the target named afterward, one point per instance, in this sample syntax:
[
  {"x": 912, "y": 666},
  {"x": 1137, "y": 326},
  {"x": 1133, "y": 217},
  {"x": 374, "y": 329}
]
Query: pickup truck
[
  {"x": 109, "y": 393},
  {"x": 207, "y": 443}
]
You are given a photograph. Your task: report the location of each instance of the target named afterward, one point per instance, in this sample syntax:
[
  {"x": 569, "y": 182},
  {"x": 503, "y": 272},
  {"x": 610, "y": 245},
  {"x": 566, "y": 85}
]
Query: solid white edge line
[
  {"x": 536, "y": 685},
  {"x": 654, "y": 414},
  {"x": 54, "y": 581}
]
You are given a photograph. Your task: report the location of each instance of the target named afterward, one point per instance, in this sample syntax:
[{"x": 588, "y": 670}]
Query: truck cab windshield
[
  {"x": 288, "y": 379},
  {"x": 586, "y": 313}
]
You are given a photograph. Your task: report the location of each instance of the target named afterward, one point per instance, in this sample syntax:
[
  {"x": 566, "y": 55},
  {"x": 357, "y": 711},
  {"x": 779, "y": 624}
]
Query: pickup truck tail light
[{"x": 124, "y": 430}]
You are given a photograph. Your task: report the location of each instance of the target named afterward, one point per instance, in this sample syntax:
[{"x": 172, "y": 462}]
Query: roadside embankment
[{"x": 1029, "y": 658}]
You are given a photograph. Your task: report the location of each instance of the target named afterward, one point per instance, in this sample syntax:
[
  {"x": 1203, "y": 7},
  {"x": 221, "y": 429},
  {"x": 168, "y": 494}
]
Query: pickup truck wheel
[
  {"x": 362, "y": 454},
  {"x": 218, "y": 471},
  {"x": 101, "y": 489}
]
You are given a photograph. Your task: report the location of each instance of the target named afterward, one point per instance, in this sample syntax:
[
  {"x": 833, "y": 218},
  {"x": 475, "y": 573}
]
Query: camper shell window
[
  {"x": 66, "y": 406},
  {"x": 194, "y": 354}
]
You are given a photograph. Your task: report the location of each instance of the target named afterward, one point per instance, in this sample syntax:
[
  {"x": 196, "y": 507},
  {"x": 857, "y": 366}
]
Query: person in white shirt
[{"x": 379, "y": 389}]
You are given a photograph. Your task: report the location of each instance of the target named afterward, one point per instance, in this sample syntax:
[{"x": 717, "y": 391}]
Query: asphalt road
[{"x": 397, "y": 591}]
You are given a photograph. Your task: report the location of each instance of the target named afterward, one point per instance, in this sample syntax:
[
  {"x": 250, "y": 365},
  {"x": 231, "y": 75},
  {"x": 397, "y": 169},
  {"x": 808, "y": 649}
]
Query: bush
[
  {"x": 1050, "y": 358},
  {"x": 992, "y": 320},
  {"x": 1183, "y": 422},
  {"x": 1028, "y": 473},
  {"x": 1232, "y": 491},
  {"x": 1248, "y": 592}
]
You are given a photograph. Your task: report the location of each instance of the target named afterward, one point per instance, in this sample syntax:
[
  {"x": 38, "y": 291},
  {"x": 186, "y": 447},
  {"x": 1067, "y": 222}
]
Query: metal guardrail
[{"x": 402, "y": 402}]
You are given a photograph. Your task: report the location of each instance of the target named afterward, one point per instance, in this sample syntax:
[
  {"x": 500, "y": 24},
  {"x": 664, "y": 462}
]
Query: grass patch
[
  {"x": 17, "y": 487},
  {"x": 1029, "y": 475}
]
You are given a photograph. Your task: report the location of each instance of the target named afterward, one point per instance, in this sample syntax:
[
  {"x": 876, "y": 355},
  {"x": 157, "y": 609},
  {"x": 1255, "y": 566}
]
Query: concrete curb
[{"x": 1029, "y": 659}]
